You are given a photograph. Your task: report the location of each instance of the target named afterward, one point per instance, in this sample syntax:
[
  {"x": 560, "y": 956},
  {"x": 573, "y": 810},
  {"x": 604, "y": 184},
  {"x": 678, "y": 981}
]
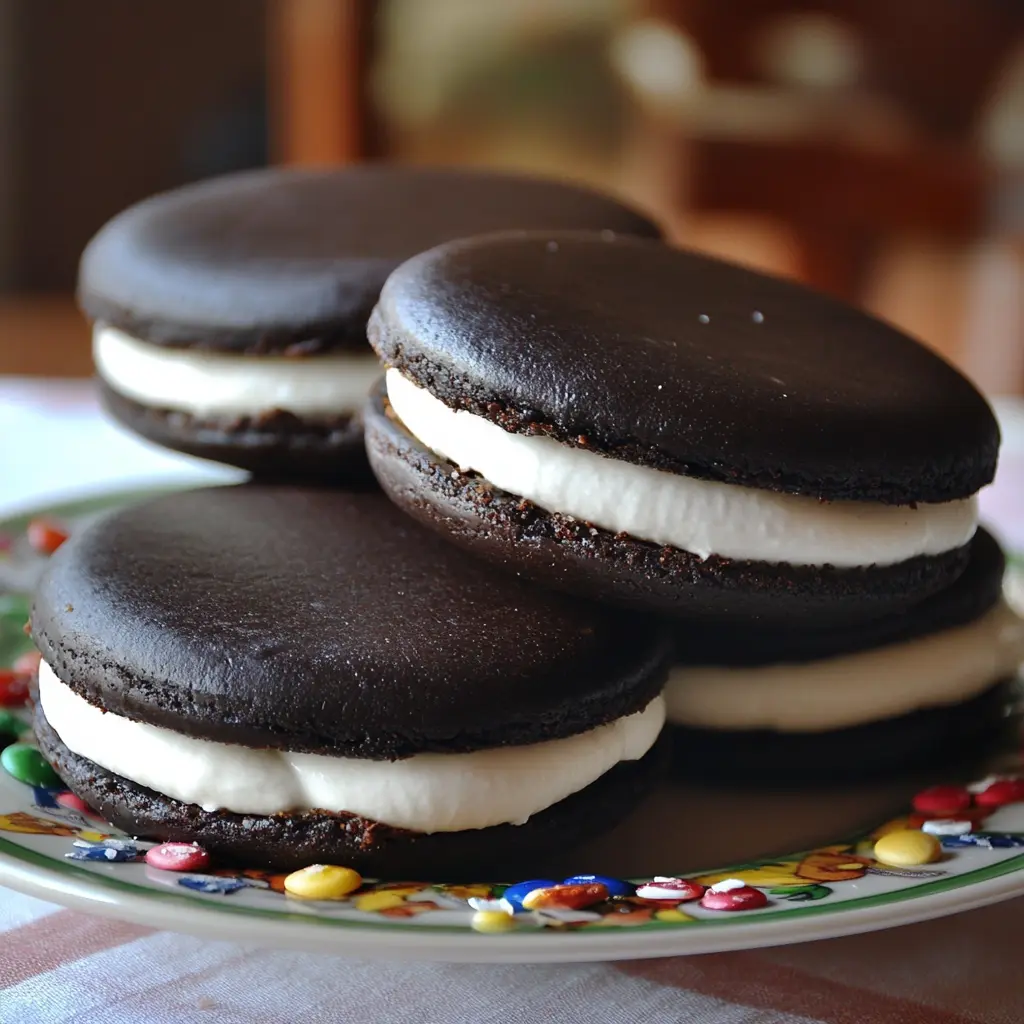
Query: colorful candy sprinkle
[
  {"x": 1000, "y": 793},
  {"x": 13, "y": 688},
  {"x": 908, "y": 848},
  {"x": 491, "y": 921},
  {"x": 322, "y": 882},
  {"x": 942, "y": 801},
  {"x": 27, "y": 765},
  {"x": 733, "y": 894},
  {"x": 678, "y": 890},
  {"x": 178, "y": 857},
  {"x": 615, "y": 886},
  {"x": 45, "y": 536},
  {"x": 515, "y": 894},
  {"x": 947, "y": 827},
  {"x": 565, "y": 897}
]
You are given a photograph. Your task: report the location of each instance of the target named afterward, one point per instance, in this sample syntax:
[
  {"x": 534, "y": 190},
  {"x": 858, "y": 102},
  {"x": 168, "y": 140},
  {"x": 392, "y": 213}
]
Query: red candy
[
  {"x": 942, "y": 801},
  {"x": 670, "y": 890},
  {"x": 75, "y": 803},
  {"x": 178, "y": 857},
  {"x": 13, "y": 688},
  {"x": 743, "y": 897},
  {"x": 44, "y": 536},
  {"x": 1001, "y": 792}
]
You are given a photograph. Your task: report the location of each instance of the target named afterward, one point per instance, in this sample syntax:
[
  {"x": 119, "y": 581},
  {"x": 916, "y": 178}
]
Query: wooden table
[{"x": 43, "y": 335}]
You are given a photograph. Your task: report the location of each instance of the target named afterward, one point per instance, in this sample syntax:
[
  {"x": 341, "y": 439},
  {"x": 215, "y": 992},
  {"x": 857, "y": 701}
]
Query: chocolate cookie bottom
[
  {"x": 949, "y": 736},
  {"x": 573, "y": 555},
  {"x": 286, "y": 842},
  {"x": 275, "y": 446}
]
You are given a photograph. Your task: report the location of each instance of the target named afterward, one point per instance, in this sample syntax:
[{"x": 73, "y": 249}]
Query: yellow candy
[
  {"x": 385, "y": 900},
  {"x": 322, "y": 882},
  {"x": 492, "y": 921},
  {"x": 893, "y": 825},
  {"x": 673, "y": 915},
  {"x": 907, "y": 848}
]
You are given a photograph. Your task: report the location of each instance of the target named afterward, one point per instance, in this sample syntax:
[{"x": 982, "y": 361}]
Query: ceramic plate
[{"x": 808, "y": 851}]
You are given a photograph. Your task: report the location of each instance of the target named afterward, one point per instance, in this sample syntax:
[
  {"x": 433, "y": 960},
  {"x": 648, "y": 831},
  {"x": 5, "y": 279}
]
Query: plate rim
[{"x": 80, "y": 889}]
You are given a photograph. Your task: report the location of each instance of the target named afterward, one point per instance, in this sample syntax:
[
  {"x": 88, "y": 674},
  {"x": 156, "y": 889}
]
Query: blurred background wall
[{"x": 872, "y": 148}]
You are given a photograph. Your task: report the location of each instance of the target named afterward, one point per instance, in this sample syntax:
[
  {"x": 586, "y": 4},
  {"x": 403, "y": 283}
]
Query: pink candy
[
  {"x": 75, "y": 803},
  {"x": 675, "y": 890},
  {"x": 178, "y": 857},
  {"x": 733, "y": 894}
]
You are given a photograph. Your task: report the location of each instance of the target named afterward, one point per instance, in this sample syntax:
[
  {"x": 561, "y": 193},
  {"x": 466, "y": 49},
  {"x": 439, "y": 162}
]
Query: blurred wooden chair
[
  {"x": 994, "y": 319},
  {"x": 318, "y": 55},
  {"x": 839, "y": 168},
  {"x": 764, "y": 134}
]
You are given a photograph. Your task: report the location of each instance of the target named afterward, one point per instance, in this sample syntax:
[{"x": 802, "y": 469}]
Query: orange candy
[
  {"x": 44, "y": 536},
  {"x": 566, "y": 897}
]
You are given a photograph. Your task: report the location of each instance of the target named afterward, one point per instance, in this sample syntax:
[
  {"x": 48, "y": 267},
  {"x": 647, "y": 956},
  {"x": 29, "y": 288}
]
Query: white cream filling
[
  {"x": 226, "y": 384},
  {"x": 425, "y": 793},
  {"x": 944, "y": 668},
  {"x": 700, "y": 516}
]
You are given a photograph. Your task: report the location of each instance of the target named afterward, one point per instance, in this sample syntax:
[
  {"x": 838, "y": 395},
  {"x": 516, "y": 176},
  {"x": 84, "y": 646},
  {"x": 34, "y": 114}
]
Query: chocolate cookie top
[
  {"x": 263, "y": 260},
  {"x": 328, "y": 622},
  {"x": 686, "y": 364}
]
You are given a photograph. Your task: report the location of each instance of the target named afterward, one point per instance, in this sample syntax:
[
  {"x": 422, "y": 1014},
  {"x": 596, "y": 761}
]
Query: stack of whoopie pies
[{"x": 617, "y": 479}]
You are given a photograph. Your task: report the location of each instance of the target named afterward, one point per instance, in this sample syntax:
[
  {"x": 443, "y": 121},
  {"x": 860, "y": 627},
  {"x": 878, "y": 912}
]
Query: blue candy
[
  {"x": 212, "y": 884},
  {"x": 112, "y": 850},
  {"x": 44, "y": 798},
  {"x": 615, "y": 886},
  {"x": 986, "y": 840},
  {"x": 515, "y": 894}
]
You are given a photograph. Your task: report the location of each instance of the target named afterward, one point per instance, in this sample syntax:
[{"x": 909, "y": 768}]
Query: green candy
[
  {"x": 11, "y": 727},
  {"x": 27, "y": 765}
]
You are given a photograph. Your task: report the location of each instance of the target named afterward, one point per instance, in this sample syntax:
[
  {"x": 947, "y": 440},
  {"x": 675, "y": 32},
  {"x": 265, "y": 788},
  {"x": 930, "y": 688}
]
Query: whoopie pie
[
  {"x": 291, "y": 676},
  {"x": 766, "y": 703},
  {"x": 230, "y": 315},
  {"x": 652, "y": 427}
]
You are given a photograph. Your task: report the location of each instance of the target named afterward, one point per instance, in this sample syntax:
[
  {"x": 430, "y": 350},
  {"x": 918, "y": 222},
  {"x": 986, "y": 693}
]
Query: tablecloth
[{"x": 60, "y": 966}]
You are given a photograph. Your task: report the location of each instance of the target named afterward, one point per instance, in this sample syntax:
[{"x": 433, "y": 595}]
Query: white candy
[
  {"x": 947, "y": 827},
  {"x": 651, "y": 891},
  {"x": 982, "y": 784},
  {"x": 728, "y": 884}
]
